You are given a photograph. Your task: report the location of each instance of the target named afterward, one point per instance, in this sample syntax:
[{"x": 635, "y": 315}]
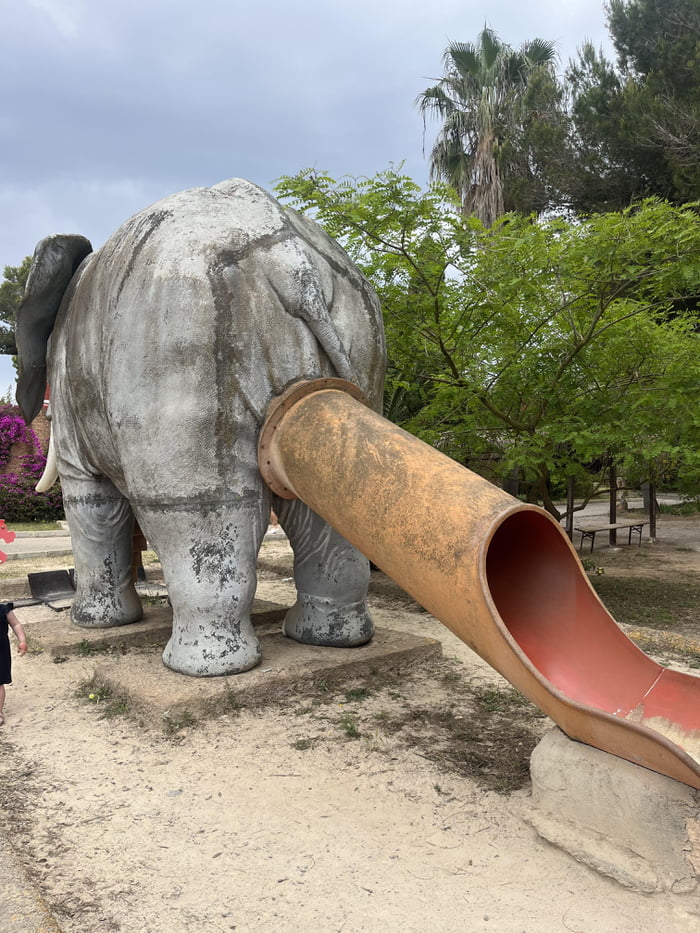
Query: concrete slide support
[{"x": 501, "y": 574}]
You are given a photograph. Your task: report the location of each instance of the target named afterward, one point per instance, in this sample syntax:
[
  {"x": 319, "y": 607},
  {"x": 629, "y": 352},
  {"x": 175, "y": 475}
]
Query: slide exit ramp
[{"x": 500, "y": 574}]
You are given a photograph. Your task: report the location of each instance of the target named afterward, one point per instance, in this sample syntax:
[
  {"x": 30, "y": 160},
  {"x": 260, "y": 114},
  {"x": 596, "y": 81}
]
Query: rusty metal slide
[{"x": 500, "y": 574}]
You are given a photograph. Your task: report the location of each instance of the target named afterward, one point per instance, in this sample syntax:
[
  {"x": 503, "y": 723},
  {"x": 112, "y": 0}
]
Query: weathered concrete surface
[
  {"x": 22, "y": 909},
  {"x": 157, "y": 694},
  {"x": 636, "y": 826}
]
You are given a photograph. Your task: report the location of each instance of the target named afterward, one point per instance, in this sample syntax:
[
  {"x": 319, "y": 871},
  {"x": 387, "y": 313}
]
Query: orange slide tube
[{"x": 500, "y": 574}]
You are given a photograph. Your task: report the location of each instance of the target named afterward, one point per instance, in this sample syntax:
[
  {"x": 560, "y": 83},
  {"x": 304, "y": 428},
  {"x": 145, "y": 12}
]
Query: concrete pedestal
[{"x": 636, "y": 826}]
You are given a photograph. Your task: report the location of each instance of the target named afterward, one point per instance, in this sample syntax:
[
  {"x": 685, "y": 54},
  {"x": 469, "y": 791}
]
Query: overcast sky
[{"x": 108, "y": 105}]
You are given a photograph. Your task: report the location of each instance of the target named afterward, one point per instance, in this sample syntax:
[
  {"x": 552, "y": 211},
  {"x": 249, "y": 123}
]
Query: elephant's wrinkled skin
[{"x": 169, "y": 344}]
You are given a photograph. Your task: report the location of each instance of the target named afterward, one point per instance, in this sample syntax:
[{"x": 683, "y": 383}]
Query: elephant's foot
[
  {"x": 207, "y": 650},
  {"x": 315, "y": 620},
  {"x": 107, "y": 609}
]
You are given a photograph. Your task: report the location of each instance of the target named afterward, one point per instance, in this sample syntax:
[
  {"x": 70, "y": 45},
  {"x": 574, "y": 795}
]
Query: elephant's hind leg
[
  {"x": 208, "y": 556},
  {"x": 331, "y": 578},
  {"x": 101, "y": 525}
]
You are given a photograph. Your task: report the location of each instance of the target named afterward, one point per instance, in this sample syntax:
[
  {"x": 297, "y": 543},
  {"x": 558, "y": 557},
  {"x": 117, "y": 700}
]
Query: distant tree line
[{"x": 516, "y": 136}]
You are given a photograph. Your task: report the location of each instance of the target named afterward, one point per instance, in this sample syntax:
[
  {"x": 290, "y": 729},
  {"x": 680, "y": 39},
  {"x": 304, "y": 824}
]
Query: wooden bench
[{"x": 590, "y": 531}]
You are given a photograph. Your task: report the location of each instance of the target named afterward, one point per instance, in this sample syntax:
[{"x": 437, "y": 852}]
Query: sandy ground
[{"x": 282, "y": 819}]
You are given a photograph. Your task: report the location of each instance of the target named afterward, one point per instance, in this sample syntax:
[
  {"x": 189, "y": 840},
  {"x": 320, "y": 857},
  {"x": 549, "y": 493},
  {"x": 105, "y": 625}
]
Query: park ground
[{"x": 391, "y": 802}]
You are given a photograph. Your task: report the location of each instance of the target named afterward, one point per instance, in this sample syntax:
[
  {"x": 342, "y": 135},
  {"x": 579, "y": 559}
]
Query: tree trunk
[{"x": 612, "y": 534}]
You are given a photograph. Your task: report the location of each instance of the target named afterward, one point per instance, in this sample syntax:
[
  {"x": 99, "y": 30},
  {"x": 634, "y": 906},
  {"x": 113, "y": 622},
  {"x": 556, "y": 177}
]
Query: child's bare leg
[{"x": 2, "y": 701}]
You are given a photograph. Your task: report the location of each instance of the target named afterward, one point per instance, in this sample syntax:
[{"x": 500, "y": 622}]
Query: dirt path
[{"x": 375, "y": 807}]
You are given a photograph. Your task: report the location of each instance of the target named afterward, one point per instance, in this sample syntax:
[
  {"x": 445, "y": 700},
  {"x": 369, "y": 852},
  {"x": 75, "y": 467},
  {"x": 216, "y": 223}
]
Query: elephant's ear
[{"x": 54, "y": 264}]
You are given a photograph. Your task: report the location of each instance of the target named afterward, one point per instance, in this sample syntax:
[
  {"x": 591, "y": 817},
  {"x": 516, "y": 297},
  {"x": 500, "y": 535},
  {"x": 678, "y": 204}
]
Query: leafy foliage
[
  {"x": 11, "y": 292},
  {"x": 637, "y": 125},
  {"x": 544, "y": 348}
]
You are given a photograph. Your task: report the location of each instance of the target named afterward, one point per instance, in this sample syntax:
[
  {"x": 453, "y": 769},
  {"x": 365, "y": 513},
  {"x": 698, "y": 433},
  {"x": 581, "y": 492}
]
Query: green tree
[
  {"x": 607, "y": 169},
  {"x": 11, "y": 293},
  {"x": 637, "y": 124},
  {"x": 658, "y": 47},
  {"x": 542, "y": 347},
  {"x": 500, "y": 110},
  {"x": 410, "y": 243}
]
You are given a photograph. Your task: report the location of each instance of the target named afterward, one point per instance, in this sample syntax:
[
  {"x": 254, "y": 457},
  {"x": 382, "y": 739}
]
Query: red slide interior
[{"x": 549, "y": 608}]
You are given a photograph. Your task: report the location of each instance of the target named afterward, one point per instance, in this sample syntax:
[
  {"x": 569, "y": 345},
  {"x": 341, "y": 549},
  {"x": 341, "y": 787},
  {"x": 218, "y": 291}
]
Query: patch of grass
[
  {"x": 231, "y": 702},
  {"x": 492, "y": 749},
  {"x": 590, "y": 566},
  {"x": 35, "y": 526},
  {"x": 175, "y": 724},
  {"x": 88, "y": 649},
  {"x": 493, "y": 700},
  {"x": 357, "y": 694},
  {"x": 94, "y": 690},
  {"x": 451, "y": 677},
  {"x": 154, "y": 600},
  {"x": 111, "y": 705},
  {"x": 149, "y": 557},
  {"x": 302, "y": 745},
  {"x": 691, "y": 507},
  {"x": 117, "y": 706},
  {"x": 651, "y": 602}
]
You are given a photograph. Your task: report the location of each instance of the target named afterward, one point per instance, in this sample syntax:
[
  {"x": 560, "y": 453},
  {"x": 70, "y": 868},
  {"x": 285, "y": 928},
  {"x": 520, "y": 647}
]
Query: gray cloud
[{"x": 106, "y": 107}]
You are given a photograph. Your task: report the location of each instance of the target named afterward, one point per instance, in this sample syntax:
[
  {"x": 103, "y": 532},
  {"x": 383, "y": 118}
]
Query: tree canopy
[
  {"x": 546, "y": 347},
  {"x": 636, "y": 124},
  {"x": 11, "y": 292}
]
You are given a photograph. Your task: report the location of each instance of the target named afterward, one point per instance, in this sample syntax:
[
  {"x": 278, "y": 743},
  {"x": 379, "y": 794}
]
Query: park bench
[{"x": 590, "y": 531}]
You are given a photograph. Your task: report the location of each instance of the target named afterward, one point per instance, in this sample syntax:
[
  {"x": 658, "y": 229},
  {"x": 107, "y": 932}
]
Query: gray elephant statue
[{"x": 163, "y": 350}]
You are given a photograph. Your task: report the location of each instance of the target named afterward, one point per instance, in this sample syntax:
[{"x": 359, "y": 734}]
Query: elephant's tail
[
  {"x": 328, "y": 337},
  {"x": 55, "y": 262}
]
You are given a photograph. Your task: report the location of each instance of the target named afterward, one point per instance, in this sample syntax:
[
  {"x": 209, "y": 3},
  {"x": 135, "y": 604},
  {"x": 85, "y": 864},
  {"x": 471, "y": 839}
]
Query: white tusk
[{"x": 50, "y": 474}]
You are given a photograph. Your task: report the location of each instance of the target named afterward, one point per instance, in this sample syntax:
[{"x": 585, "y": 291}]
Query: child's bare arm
[{"x": 16, "y": 627}]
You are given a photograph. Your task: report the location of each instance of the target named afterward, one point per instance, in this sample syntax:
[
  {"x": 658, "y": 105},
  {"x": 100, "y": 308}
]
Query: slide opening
[{"x": 546, "y": 603}]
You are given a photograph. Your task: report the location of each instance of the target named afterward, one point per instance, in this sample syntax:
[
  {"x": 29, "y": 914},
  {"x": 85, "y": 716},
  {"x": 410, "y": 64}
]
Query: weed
[
  {"x": 492, "y": 700},
  {"x": 86, "y": 649},
  {"x": 175, "y": 724},
  {"x": 301, "y": 745},
  {"x": 117, "y": 706},
  {"x": 348, "y": 723},
  {"x": 231, "y": 702},
  {"x": 357, "y": 694},
  {"x": 93, "y": 690},
  {"x": 154, "y": 600},
  {"x": 110, "y": 704}
]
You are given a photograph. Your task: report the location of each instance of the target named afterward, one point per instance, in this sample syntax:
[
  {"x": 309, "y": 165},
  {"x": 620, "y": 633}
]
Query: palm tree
[{"x": 483, "y": 102}]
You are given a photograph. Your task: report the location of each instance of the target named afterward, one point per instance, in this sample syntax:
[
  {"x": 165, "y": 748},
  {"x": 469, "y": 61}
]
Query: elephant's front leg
[
  {"x": 208, "y": 552},
  {"x": 331, "y": 578},
  {"x": 101, "y": 524}
]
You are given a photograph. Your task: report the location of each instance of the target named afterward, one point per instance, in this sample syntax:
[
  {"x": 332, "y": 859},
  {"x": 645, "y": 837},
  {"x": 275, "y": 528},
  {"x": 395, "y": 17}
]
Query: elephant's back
[
  {"x": 192, "y": 232},
  {"x": 192, "y": 316}
]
